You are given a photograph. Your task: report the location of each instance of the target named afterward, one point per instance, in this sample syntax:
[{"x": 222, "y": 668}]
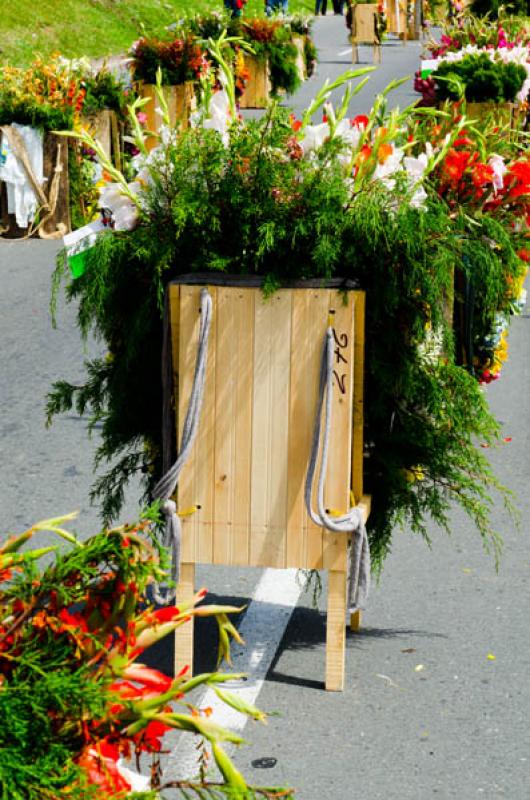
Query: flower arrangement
[
  {"x": 480, "y": 78},
  {"x": 75, "y": 704},
  {"x": 350, "y": 197},
  {"x": 47, "y": 96},
  {"x": 507, "y": 32},
  {"x": 484, "y": 180},
  {"x": 180, "y": 60}
]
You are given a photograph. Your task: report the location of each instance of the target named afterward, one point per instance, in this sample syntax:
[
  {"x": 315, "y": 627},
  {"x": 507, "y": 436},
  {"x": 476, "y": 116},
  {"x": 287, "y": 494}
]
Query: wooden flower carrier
[
  {"x": 55, "y": 189},
  {"x": 104, "y": 127},
  {"x": 258, "y": 88},
  {"x": 246, "y": 472},
  {"x": 363, "y": 31},
  {"x": 396, "y": 13},
  {"x": 180, "y": 100},
  {"x": 299, "y": 43}
]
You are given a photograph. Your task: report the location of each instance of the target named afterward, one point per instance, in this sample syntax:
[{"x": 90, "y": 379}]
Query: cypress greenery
[
  {"x": 481, "y": 79},
  {"x": 256, "y": 207}
]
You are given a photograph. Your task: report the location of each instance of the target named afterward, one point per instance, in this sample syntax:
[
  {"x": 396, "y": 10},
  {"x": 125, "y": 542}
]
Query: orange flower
[{"x": 384, "y": 151}]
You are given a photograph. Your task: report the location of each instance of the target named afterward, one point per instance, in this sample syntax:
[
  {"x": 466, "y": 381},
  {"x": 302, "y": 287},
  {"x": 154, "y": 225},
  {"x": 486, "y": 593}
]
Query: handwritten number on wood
[{"x": 341, "y": 340}]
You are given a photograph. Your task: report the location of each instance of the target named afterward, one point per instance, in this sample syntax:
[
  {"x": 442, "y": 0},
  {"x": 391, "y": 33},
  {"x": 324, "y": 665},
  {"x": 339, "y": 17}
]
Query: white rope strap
[
  {"x": 168, "y": 483},
  {"x": 352, "y": 521}
]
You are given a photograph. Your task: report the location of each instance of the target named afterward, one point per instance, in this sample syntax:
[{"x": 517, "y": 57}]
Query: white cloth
[{"x": 21, "y": 199}]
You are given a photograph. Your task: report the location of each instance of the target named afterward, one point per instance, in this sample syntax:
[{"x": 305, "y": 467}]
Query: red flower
[
  {"x": 151, "y": 678},
  {"x": 481, "y": 174},
  {"x": 360, "y": 121},
  {"x": 149, "y": 738},
  {"x": 167, "y": 614},
  {"x": 72, "y": 621},
  {"x": 520, "y": 172},
  {"x": 296, "y": 124},
  {"x": 100, "y": 764},
  {"x": 455, "y": 164}
]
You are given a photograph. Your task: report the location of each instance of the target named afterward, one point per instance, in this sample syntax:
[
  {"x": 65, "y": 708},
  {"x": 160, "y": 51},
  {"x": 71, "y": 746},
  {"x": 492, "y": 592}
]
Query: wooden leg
[
  {"x": 355, "y": 621},
  {"x": 377, "y": 53},
  {"x": 336, "y": 631},
  {"x": 354, "y": 54},
  {"x": 184, "y": 634}
]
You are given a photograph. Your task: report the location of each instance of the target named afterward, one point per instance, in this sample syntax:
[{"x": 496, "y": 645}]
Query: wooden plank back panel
[
  {"x": 309, "y": 317},
  {"x": 248, "y": 465},
  {"x": 233, "y": 432},
  {"x": 270, "y": 429}
]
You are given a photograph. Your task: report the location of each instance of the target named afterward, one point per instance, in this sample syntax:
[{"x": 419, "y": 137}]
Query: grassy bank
[{"x": 94, "y": 27}]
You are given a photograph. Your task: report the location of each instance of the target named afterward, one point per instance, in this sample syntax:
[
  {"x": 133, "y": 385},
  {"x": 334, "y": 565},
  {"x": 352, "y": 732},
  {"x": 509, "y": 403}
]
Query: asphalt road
[{"x": 426, "y": 712}]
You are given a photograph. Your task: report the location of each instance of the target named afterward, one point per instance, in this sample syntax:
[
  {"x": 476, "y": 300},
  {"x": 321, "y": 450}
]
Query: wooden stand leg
[
  {"x": 184, "y": 634},
  {"x": 377, "y": 53},
  {"x": 355, "y": 621},
  {"x": 336, "y": 631},
  {"x": 354, "y": 54}
]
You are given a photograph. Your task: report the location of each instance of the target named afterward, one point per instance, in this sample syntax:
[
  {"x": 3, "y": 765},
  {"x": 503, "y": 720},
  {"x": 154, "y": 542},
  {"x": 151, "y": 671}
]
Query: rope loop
[
  {"x": 352, "y": 522},
  {"x": 166, "y": 486}
]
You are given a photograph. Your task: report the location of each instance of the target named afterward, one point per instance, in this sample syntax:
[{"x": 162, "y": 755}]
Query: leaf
[{"x": 239, "y": 704}]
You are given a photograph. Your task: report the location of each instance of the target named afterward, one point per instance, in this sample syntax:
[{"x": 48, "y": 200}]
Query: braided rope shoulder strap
[
  {"x": 352, "y": 521},
  {"x": 166, "y": 486}
]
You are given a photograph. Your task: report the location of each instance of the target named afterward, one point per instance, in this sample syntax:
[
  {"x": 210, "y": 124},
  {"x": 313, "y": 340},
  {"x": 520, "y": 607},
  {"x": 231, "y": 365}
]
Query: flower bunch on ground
[{"x": 75, "y": 703}]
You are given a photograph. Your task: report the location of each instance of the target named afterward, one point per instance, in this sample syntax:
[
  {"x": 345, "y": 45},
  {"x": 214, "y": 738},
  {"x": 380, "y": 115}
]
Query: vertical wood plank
[
  {"x": 336, "y": 631},
  {"x": 184, "y": 634},
  {"x": 358, "y": 397},
  {"x": 196, "y": 484},
  {"x": 309, "y": 320},
  {"x": 338, "y": 478},
  {"x": 205, "y": 448},
  {"x": 233, "y": 430},
  {"x": 242, "y": 427},
  {"x": 187, "y": 496},
  {"x": 270, "y": 429}
]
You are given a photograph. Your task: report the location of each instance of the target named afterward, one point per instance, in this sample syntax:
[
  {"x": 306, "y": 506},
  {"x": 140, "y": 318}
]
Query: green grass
[{"x": 95, "y": 27}]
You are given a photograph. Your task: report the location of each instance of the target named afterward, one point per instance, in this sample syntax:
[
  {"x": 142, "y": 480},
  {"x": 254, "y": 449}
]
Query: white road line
[
  {"x": 344, "y": 52},
  {"x": 262, "y": 629}
]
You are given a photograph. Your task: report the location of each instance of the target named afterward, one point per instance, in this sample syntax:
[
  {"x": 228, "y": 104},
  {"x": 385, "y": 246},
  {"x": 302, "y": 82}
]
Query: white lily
[
  {"x": 314, "y": 137},
  {"x": 218, "y": 116},
  {"x": 499, "y": 171},
  {"x": 384, "y": 171},
  {"x": 124, "y": 211}
]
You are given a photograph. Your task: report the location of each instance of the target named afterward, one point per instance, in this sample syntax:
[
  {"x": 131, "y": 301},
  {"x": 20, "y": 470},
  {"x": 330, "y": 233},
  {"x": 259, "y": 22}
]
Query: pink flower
[{"x": 141, "y": 116}]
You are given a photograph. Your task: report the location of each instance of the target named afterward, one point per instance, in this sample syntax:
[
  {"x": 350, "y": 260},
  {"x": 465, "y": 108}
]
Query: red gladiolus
[
  {"x": 148, "y": 677},
  {"x": 524, "y": 254},
  {"x": 360, "y": 121},
  {"x": 149, "y": 738},
  {"x": 520, "y": 171},
  {"x": 167, "y": 614},
  {"x": 72, "y": 621},
  {"x": 481, "y": 174},
  {"x": 296, "y": 124},
  {"x": 102, "y": 770}
]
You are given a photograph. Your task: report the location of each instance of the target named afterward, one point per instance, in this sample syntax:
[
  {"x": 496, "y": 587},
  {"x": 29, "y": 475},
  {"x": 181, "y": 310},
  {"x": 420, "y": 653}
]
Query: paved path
[{"x": 425, "y": 713}]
